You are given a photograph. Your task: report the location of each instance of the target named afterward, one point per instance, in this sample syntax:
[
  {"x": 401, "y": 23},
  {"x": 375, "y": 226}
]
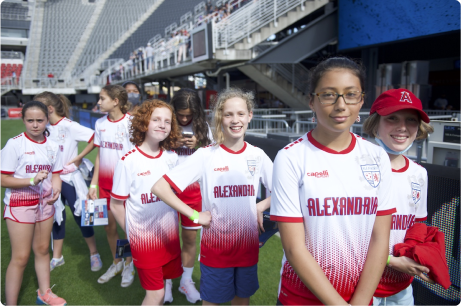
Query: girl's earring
[
  {"x": 358, "y": 119},
  {"x": 313, "y": 119}
]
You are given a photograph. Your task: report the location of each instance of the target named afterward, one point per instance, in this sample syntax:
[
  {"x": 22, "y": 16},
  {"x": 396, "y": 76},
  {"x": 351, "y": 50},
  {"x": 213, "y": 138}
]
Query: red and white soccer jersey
[
  {"x": 113, "y": 140},
  {"x": 68, "y": 134},
  {"x": 24, "y": 158},
  {"x": 337, "y": 195},
  {"x": 190, "y": 195},
  {"x": 151, "y": 225},
  {"x": 229, "y": 182},
  {"x": 410, "y": 186}
]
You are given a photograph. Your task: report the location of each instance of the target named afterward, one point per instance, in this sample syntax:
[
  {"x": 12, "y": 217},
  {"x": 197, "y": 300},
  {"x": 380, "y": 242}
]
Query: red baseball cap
[{"x": 397, "y": 99}]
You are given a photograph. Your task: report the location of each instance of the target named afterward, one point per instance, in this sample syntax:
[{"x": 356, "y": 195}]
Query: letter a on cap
[{"x": 405, "y": 97}]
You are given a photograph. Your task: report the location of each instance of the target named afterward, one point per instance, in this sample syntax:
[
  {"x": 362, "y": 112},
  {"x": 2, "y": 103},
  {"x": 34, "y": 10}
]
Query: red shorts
[
  {"x": 28, "y": 214},
  {"x": 187, "y": 223},
  {"x": 105, "y": 194},
  {"x": 152, "y": 279}
]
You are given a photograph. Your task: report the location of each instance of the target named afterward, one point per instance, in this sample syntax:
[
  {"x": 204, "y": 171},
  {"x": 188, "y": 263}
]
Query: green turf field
[{"x": 78, "y": 284}]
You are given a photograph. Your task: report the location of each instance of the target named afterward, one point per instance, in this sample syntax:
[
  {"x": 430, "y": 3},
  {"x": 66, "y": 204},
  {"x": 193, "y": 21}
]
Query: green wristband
[
  {"x": 32, "y": 183},
  {"x": 194, "y": 216},
  {"x": 94, "y": 186},
  {"x": 388, "y": 259}
]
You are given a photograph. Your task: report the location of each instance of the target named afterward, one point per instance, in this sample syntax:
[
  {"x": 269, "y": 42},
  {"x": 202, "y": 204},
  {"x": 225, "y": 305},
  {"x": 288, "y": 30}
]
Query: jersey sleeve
[
  {"x": 421, "y": 209},
  {"x": 266, "y": 171},
  {"x": 10, "y": 158},
  {"x": 285, "y": 200},
  {"x": 57, "y": 166},
  {"x": 97, "y": 136},
  {"x": 386, "y": 198},
  {"x": 186, "y": 173},
  {"x": 122, "y": 185},
  {"x": 81, "y": 133}
]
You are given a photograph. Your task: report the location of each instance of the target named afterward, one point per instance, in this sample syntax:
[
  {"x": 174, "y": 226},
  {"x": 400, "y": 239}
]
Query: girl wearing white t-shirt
[
  {"x": 396, "y": 120},
  {"x": 68, "y": 134},
  {"x": 30, "y": 169},
  {"x": 332, "y": 198},
  {"x": 111, "y": 136},
  {"x": 229, "y": 173},
  {"x": 151, "y": 225},
  {"x": 196, "y": 134}
]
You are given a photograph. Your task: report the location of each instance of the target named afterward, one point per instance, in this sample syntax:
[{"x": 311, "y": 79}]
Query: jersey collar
[
  {"x": 405, "y": 168},
  {"x": 58, "y": 121},
  {"x": 149, "y": 156},
  {"x": 328, "y": 150},
  {"x": 124, "y": 115},
  {"x": 25, "y": 134},
  {"x": 234, "y": 152}
]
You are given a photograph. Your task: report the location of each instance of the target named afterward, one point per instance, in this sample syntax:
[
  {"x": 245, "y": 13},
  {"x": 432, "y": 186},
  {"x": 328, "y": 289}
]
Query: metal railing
[
  {"x": 250, "y": 18},
  {"x": 15, "y": 16},
  {"x": 49, "y": 83},
  {"x": 262, "y": 126},
  {"x": 12, "y": 55}
]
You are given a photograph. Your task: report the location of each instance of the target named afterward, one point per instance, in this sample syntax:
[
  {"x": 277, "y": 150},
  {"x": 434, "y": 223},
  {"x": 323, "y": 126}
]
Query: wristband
[
  {"x": 194, "y": 216},
  {"x": 32, "y": 183},
  {"x": 388, "y": 260},
  {"x": 94, "y": 186}
]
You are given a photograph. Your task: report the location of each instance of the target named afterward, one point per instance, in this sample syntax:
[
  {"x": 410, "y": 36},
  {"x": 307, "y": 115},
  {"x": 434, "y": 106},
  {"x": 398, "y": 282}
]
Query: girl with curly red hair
[{"x": 151, "y": 225}]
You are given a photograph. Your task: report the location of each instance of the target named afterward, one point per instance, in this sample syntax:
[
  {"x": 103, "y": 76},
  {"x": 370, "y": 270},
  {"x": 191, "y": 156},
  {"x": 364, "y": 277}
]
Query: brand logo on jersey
[
  {"x": 102, "y": 130},
  {"x": 224, "y": 169},
  {"x": 405, "y": 97},
  {"x": 30, "y": 153},
  {"x": 61, "y": 147},
  {"x": 251, "y": 166},
  {"x": 322, "y": 174},
  {"x": 372, "y": 174},
  {"x": 144, "y": 173},
  {"x": 416, "y": 192}
]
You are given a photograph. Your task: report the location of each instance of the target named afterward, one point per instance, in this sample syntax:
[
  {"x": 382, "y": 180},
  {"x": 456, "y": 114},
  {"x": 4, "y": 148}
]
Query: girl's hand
[
  {"x": 76, "y": 161},
  {"x": 191, "y": 142},
  {"x": 179, "y": 143},
  {"x": 410, "y": 267},
  {"x": 92, "y": 194},
  {"x": 204, "y": 218},
  {"x": 55, "y": 196},
  {"x": 41, "y": 175}
]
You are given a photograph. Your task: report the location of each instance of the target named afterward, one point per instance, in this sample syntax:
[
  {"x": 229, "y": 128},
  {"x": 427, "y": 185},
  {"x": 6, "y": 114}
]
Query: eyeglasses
[{"x": 330, "y": 97}]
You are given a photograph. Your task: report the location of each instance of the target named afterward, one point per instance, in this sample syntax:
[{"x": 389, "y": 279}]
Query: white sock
[
  {"x": 187, "y": 274},
  {"x": 62, "y": 256}
]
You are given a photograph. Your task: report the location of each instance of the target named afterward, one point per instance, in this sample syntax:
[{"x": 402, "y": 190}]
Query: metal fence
[{"x": 263, "y": 126}]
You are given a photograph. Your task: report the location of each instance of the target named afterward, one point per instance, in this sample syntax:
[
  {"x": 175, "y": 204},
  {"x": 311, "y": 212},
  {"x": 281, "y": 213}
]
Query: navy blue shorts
[{"x": 221, "y": 285}]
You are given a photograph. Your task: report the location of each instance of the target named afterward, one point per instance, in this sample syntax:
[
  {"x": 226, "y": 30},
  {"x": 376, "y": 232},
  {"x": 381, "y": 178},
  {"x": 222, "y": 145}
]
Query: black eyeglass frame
[{"x": 362, "y": 94}]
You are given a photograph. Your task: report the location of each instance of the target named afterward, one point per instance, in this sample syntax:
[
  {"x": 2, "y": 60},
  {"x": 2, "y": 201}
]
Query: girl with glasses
[{"x": 332, "y": 198}]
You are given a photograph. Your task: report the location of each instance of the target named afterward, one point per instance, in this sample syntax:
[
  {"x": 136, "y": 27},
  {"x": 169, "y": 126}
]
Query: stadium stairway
[
  {"x": 83, "y": 39},
  {"x": 255, "y": 22},
  {"x": 277, "y": 68},
  {"x": 32, "y": 57}
]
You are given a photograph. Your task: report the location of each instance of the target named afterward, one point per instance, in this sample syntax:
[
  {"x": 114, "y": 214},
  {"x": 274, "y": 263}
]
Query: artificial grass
[{"x": 78, "y": 284}]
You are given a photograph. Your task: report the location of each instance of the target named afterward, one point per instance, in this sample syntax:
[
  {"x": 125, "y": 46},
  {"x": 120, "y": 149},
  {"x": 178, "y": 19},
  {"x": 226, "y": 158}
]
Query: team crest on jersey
[
  {"x": 120, "y": 135},
  {"x": 416, "y": 192},
  {"x": 61, "y": 134},
  {"x": 405, "y": 97},
  {"x": 51, "y": 154},
  {"x": 251, "y": 166},
  {"x": 372, "y": 174}
]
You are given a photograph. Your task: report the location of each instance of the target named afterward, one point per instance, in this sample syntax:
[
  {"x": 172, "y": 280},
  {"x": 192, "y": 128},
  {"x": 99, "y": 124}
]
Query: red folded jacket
[{"x": 426, "y": 245}]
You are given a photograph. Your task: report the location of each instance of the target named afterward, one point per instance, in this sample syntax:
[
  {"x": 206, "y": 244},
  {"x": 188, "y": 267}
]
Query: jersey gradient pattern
[
  {"x": 410, "y": 184},
  {"x": 229, "y": 182},
  {"x": 113, "y": 140},
  {"x": 152, "y": 226},
  {"x": 337, "y": 196},
  {"x": 23, "y": 157}
]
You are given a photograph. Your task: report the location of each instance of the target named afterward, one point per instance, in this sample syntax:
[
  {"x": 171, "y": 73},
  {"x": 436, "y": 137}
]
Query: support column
[{"x": 370, "y": 61}]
